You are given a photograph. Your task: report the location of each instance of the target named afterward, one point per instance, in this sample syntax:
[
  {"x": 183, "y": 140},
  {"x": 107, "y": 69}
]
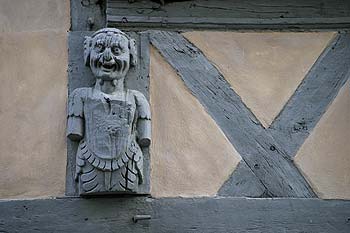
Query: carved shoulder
[
  {"x": 142, "y": 104},
  {"x": 76, "y": 102}
]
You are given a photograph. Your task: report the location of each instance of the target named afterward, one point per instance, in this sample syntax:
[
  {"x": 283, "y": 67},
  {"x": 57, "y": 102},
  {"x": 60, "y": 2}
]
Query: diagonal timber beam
[
  {"x": 243, "y": 183},
  {"x": 302, "y": 112},
  {"x": 261, "y": 153},
  {"x": 313, "y": 96}
]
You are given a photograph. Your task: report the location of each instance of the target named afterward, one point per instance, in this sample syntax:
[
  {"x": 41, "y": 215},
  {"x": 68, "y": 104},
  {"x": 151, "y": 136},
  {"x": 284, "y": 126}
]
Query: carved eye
[
  {"x": 116, "y": 50},
  {"x": 99, "y": 47}
]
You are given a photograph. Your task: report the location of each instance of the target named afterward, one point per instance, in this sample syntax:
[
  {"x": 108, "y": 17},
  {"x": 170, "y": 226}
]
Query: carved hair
[{"x": 88, "y": 45}]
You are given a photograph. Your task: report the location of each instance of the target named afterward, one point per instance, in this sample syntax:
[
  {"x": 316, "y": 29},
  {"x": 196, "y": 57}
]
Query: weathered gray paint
[
  {"x": 87, "y": 15},
  {"x": 289, "y": 14},
  {"x": 304, "y": 109},
  {"x": 80, "y": 76},
  {"x": 175, "y": 215},
  {"x": 243, "y": 183},
  {"x": 313, "y": 96},
  {"x": 178, "y": 23},
  {"x": 256, "y": 146},
  {"x": 217, "y": 14}
]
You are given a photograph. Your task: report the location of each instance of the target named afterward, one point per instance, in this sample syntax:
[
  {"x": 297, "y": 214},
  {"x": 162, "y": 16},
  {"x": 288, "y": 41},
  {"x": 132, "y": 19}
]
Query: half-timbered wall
[
  {"x": 245, "y": 103},
  {"x": 196, "y": 152}
]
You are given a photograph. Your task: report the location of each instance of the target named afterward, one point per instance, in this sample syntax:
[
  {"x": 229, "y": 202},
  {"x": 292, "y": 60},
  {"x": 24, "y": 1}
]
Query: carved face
[{"x": 109, "y": 55}]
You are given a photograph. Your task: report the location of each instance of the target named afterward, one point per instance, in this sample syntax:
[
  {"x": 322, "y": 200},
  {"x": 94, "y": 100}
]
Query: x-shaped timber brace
[{"x": 267, "y": 153}]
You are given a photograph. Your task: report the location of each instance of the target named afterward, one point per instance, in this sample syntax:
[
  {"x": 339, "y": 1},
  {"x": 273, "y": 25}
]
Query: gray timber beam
[
  {"x": 313, "y": 96},
  {"x": 302, "y": 112},
  {"x": 218, "y": 14},
  {"x": 178, "y": 215},
  {"x": 243, "y": 183},
  {"x": 259, "y": 150},
  {"x": 87, "y": 15}
]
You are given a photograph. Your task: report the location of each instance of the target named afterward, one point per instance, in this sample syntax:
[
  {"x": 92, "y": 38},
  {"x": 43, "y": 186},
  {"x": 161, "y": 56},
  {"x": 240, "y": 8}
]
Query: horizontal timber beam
[
  {"x": 174, "y": 215},
  {"x": 179, "y": 23},
  {"x": 230, "y": 14}
]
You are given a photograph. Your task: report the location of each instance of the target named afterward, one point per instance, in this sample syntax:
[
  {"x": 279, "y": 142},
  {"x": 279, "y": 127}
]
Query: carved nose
[{"x": 107, "y": 54}]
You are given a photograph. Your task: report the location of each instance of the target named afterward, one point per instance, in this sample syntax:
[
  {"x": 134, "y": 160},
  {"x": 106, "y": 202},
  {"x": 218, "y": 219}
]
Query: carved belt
[{"x": 132, "y": 153}]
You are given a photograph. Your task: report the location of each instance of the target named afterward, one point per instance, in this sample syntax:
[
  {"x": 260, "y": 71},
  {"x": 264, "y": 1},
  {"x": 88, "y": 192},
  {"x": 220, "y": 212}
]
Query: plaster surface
[
  {"x": 324, "y": 156},
  {"x": 190, "y": 155},
  {"x": 263, "y": 68},
  {"x": 34, "y": 15},
  {"x": 33, "y": 114}
]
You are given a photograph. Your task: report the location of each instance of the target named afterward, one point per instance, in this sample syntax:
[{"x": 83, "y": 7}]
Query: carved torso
[
  {"x": 109, "y": 158},
  {"x": 109, "y": 125},
  {"x": 110, "y": 122}
]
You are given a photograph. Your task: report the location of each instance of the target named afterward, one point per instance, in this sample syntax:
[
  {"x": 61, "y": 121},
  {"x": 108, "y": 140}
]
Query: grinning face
[{"x": 109, "y": 56}]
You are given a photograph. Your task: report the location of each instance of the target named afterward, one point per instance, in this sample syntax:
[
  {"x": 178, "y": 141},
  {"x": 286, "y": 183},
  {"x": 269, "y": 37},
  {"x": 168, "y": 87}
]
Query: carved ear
[
  {"x": 87, "y": 49},
  {"x": 133, "y": 52}
]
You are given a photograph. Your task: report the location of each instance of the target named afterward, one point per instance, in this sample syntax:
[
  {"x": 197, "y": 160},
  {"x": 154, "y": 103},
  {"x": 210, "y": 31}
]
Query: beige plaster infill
[
  {"x": 324, "y": 158},
  {"x": 264, "y": 68},
  {"x": 33, "y": 71},
  {"x": 34, "y": 15},
  {"x": 190, "y": 155}
]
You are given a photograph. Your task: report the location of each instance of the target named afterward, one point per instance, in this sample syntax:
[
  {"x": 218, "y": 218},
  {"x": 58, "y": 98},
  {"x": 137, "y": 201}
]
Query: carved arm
[
  {"x": 75, "y": 128},
  {"x": 75, "y": 121},
  {"x": 144, "y": 132},
  {"x": 144, "y": 120}
]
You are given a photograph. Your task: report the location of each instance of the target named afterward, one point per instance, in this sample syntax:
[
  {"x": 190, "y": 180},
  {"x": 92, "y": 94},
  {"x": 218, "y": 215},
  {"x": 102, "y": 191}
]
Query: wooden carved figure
[{"x": 110, "y": 122}]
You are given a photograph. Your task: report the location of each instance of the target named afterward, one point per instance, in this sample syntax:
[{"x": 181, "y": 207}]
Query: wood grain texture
[
  {"x": 175, "y": 215},
  {"x": 87, "y": 15},
  {"x": 257, "y": 148},
  {"x": 80, "y": 76},
  {"x": 290, "y": 14},
  {"x": 242, "y": 9},
  {"x": 313, "y": 96},
  {"x": 242, "y": 183}
]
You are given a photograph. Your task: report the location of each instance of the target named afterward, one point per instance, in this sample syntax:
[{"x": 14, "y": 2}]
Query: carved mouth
[{"x": 110, "y": 67}]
